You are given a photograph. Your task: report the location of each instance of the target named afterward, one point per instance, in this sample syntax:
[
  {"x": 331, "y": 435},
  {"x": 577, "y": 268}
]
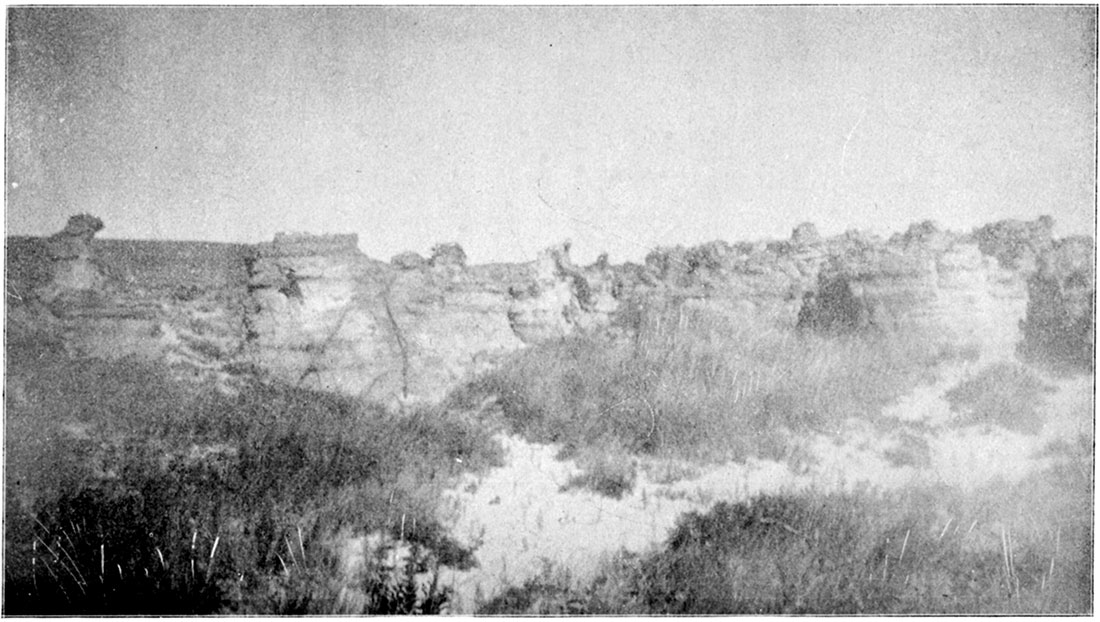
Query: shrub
[
  {"x": 1007, "y": 549},
  {"x": 1004, "y": 394},
  {"x": 773, "y": 555},
  {"x": 608, "y": 471}
]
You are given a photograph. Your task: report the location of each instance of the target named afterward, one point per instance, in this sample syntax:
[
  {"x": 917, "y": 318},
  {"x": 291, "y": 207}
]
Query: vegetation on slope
[
  {"x": 128, "y": 493},
  {"x": 703, "y": 385}
]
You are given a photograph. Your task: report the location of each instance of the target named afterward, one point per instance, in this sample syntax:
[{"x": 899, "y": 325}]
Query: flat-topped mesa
[{"x": 295, "y": 244}]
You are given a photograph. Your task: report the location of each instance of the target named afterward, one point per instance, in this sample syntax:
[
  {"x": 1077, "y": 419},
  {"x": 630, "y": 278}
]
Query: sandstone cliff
[
  {"x": 315, "y": 311},
  {"x": 927, "y": 280},
  {"x": 326, "y": 316}
]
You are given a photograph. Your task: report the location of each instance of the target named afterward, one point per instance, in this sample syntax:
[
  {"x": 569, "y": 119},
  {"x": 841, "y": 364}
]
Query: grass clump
[
  {"x": 128, "y": 493},
  {"x": 698, "y": 384},
  {"x": 1005, "y": 549},
  {"x": 610, "y": 472},
  {"x": 1005, "y": 394}
]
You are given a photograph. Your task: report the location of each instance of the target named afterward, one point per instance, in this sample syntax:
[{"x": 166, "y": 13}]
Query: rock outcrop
[
  {"x": 767, "y": 279},
  {"x": 1060, "y": 324},
  {"x": 177, "y": 302},
  {"x": 409, "y": 261},
  {"x": 926, "y": 281},
  {"x": 328, "y": 317},
  {"x": 313, "y": 310},
  {"x": 71, "y": 256},
  {"x": 562, "y": 299}
]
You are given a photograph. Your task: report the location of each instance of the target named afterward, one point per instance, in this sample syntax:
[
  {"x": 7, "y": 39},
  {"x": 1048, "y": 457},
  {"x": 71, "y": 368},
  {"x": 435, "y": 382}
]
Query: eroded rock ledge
[{"x": 314, "y": 310}]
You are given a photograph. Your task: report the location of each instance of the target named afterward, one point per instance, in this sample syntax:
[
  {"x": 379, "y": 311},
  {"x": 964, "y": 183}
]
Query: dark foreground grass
[
  {"x": 130, "y": 494},
  {"x": 1009, "y": 549},
  {"x": 696, "y": 384}
]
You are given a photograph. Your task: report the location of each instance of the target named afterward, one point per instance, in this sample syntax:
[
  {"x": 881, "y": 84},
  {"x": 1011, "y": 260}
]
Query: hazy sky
[{"x": 638, "y": 126}]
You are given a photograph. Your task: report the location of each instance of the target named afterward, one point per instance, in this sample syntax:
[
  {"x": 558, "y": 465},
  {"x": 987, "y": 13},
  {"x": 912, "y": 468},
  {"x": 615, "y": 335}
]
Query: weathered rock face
[
  {"x": 1060, "y": 325},
  {"x": 328, "y": 317},
  {"x": 766, "y": 279},
  {"x": 929, "y": 281},
  {"x": 315, "y": 311},
  {"x": 71, "y": 256},
  {"x": 177, "y": 302},
  {"x": 562, "y": 299}
]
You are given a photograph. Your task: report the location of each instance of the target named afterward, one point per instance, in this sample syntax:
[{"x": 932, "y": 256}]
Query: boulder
[
  {"x": 409, "y": 261},
  {"x": 805, "y": 234}
]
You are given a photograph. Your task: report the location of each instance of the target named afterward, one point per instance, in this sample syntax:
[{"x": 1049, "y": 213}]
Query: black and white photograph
[{"x": 549, "y": 310}]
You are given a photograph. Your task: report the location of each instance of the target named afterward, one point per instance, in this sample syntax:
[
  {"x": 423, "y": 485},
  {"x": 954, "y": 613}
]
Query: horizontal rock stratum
[{"x": 315, "y": 311}]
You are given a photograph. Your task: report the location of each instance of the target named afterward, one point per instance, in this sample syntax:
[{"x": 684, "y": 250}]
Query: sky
[{"x": 510, "y": 129}]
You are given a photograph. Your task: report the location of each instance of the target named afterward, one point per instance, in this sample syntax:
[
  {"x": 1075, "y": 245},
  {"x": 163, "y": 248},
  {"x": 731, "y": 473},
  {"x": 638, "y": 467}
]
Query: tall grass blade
[
  {"x": 301, "y": 544},
  {"x": 1057, "y": 545},
  {"x": 286, "y": 571},
  {"x": 293, "y": 559},
  {"x": 945, "y": 526}
]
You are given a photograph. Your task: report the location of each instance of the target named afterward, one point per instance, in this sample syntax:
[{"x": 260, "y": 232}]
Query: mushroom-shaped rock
[
  {"x": 70, "y": 255},
  {"x": 73, "y": 241}
]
